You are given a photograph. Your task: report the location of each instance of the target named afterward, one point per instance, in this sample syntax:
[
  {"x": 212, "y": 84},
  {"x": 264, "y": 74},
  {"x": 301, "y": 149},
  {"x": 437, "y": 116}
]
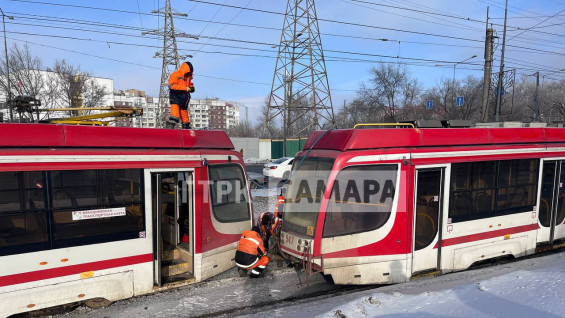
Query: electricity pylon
[
  {"x": 300, "y": 82},
  {"x": 170, "y": 57}
]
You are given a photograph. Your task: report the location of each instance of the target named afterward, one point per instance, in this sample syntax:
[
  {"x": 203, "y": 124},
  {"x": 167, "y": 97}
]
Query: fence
[{"x": 267, "y": 149}]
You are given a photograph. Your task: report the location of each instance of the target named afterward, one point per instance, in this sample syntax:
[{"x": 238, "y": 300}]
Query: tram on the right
[{"x": 381, "y": 206}]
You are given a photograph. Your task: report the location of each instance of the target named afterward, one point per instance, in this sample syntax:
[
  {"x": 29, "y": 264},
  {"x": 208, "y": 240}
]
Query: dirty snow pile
[{"x": 524, "y": 293}]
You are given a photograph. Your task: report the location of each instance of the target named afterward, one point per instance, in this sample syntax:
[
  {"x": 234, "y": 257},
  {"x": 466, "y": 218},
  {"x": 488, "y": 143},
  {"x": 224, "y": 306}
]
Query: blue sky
[{"x": 231, "y": 75}]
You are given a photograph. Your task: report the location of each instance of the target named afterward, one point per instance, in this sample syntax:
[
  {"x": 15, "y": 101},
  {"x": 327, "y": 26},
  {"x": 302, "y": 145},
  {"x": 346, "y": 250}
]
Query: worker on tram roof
[
  {"x": 251, "y": 254},
  {"x": 180, "y": 87}
]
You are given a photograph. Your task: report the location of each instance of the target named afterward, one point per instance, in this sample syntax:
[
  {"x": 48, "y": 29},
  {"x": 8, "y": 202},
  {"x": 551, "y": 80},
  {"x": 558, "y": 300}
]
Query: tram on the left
[{"x": 98, "y": 214}]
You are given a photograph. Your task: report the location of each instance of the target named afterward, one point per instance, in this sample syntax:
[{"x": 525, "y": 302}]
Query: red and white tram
[
  {"x": 98, "y": 214},
  {"x": 373, "y": 206}
]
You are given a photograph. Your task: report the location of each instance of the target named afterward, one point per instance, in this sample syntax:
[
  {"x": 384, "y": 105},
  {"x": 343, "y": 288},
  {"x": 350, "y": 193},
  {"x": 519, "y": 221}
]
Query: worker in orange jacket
[
  {"x": 251, "y": 254},
  {"x": 180, "y": 87},
  {"x": 270, "y": 223}
]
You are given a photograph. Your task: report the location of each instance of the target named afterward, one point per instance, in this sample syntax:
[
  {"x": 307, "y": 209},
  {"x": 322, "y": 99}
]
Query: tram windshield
[{"x": 304, "y": 194}]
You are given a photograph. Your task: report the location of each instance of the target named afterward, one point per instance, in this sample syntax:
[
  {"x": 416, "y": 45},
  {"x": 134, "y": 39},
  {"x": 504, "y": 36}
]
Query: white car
[{"x": 277, "y": 168}]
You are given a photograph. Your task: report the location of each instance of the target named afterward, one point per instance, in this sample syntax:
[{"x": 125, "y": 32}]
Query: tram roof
[
  {"x": 49, "y": 135},
  {"x": 356, "y": 139}
]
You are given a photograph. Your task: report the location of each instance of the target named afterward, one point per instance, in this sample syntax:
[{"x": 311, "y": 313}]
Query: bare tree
[
  {"x": 25, "y": 74},
  {"x": 390, "y": 89},
  {"x": 264, "y": 128},
  {"x": 554, "y": 97},
  {"x": 72, "y": 87},
  {"x": 243, "y": 129}
]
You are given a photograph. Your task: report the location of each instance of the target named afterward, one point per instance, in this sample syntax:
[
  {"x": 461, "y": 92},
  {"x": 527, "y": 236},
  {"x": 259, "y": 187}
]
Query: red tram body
[
  {"x": 98, "y": 214},
  {"x": 374, "y": 206}
]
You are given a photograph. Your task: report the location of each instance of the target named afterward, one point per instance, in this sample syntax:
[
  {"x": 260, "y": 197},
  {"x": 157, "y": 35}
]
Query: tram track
[{"x": 339, "y": 291}]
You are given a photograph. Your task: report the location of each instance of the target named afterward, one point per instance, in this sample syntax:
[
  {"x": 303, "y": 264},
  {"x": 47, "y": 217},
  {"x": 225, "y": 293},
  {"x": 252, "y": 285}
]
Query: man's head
[
  {"x": 266, "y": 220},
  {"x": 187, "y": 69}
]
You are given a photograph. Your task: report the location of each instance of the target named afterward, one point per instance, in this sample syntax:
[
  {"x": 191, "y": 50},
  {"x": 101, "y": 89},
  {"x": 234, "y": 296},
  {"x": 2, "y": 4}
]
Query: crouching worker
[{"x": 251, "y": 253}]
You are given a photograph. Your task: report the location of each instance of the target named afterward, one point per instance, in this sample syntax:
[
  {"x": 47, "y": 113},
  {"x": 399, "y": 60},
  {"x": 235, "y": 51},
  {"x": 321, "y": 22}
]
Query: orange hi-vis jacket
[
  {"x": 251, "y": 243},
  {"x": 180, "y": 85},
  {"x": 181, "y": 79}
]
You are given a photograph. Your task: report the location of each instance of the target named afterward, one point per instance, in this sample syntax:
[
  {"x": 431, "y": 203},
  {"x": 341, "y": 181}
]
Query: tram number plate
[{"x": 288, "y": 239}]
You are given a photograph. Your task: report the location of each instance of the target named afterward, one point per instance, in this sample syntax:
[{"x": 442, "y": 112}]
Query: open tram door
[
  {"x": 427, "y": 219},
  {"x": 552, "y": 204},
  {"x": 173, "y": 225}
]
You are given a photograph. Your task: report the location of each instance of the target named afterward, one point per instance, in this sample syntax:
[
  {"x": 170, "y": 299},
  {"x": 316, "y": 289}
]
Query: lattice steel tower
[
  {"x": 170, "y": 57},
  {"x": 300, "y": 82}
]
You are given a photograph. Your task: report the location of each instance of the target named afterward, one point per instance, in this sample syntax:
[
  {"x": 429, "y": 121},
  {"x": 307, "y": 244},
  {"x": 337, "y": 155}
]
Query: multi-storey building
[
  {"x": 204, "y": 113},
  {"x": 136, "y": 99},
  {"x": 213, "y": 114}
]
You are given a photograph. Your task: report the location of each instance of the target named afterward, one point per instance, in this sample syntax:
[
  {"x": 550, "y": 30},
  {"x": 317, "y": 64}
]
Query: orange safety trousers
[
  {"x": 177, "y": 112},
  {"x": 259, "y": 267}
]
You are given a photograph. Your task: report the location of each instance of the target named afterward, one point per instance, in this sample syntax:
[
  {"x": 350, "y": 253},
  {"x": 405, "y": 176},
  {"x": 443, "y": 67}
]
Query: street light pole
[
  {"x": 9, "y": 97},
  {"x": 501, "y": 72},
  {"x": 455, "y": 65}
]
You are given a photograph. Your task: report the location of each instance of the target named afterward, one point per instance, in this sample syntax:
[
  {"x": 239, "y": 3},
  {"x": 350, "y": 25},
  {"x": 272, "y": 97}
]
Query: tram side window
[
  {"x": 23, "y": 220},
  {"x": 486, "y": 189},
  {"x": 228, "y": 193},
  {"x": 517, "y": 186},
  {"x": 361, "y": 200},
  {"x": 473, "y": 187},
  {"x": 96, "y": 206}
]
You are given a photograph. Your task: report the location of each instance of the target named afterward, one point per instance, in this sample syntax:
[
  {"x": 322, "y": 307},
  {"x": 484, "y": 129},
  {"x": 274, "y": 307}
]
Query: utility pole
[
  {"x": 300, "y": 83},
  {"x": 537, "y": 111},
  {"x": 169, "y": 55},
  {"x": 501, "y": 73},
  {"x": 9, "y": 97},
  {"x": 489, "y": 42}
]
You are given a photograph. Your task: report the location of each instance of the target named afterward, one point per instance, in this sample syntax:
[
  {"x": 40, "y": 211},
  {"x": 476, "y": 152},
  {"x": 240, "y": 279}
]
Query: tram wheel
[{"x": 96, "y": 303}]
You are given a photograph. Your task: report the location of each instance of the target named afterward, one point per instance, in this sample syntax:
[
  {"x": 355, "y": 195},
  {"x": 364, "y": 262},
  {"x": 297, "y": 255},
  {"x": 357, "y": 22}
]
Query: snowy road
[{"x": 533, "y": 287}]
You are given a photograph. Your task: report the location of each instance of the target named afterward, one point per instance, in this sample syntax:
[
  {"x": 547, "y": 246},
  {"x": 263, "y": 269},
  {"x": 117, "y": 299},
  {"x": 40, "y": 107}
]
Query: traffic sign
[
  {"x": 460, "y": 100},
  {"x": 496, "y": 91},
  {"x": 430, "y": 104}
]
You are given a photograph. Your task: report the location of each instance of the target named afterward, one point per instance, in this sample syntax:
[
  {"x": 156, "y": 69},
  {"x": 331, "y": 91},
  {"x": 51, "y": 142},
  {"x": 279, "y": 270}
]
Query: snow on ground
[
  {"x": 264, "y": 200},
  {"x": 523, "y": 293},
  {"x": 255, "y": 160},
  {"x": 533, "y": 287}
]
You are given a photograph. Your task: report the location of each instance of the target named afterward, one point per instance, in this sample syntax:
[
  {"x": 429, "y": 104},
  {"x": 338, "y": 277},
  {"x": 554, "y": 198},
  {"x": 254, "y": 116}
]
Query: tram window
[
  {"x": 486, "y": 189},
  {"x": 74, "y": 188},
  {"x": 70, "y": 230},
  {"x": 228, "y": 193},
  {"x": 120, "y": 186},
  {"x": 21, "y": 191},
  {"x": 96, "y": 206},
  {"x": 517, "y": 186},
  {"x": 23, "y": 220},
  {"x": 361, "y": 199},
  {"x": 19, "y": 231}
]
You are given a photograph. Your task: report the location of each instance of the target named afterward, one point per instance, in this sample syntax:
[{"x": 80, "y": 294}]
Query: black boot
[
  {"x": 172, "y": 122},
  {"x": 186, "y": 126}
]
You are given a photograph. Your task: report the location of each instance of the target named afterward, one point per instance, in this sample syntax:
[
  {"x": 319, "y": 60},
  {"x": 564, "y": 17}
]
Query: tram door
[
  {"x": 428, "y": 203},
  {"x": 173, "y": 225},
  {"x": 552, "y": 205}
]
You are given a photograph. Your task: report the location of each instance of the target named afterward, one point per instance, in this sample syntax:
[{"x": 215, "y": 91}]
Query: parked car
[
  {"x": 276, "y": 169},
  {"x": 256, "y": 180}
]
